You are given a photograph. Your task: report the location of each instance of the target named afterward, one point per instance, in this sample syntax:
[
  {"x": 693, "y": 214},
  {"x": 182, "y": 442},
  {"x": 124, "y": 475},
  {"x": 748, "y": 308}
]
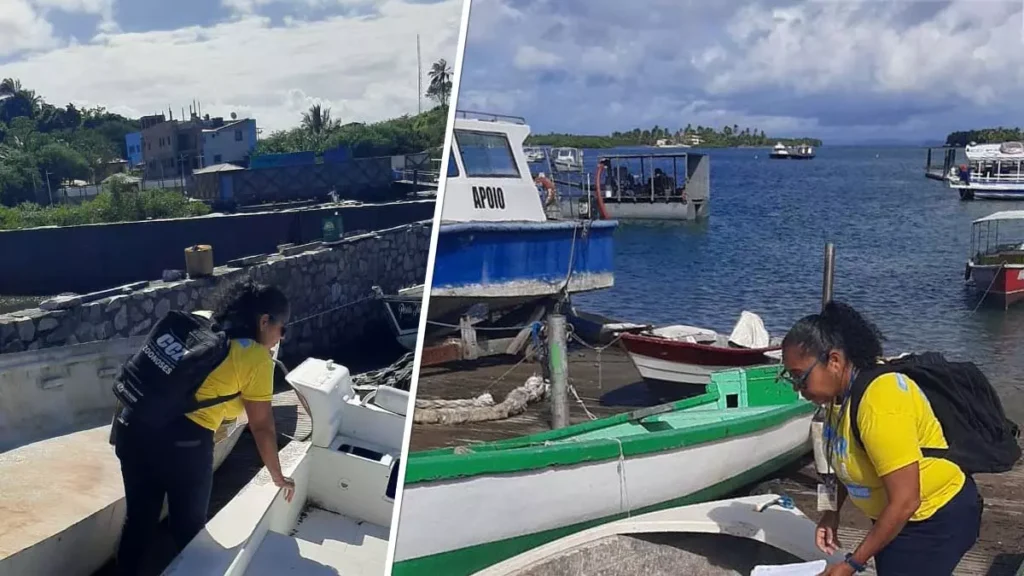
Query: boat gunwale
[
  {"x": 528, "y": 225},
  {"x": 535, "y": 452},
  {"x": 695, "y": 345}
]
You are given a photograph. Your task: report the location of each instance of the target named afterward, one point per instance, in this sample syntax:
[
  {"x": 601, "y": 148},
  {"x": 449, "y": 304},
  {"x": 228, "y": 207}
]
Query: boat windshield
[{"x": 486, "y": 154}]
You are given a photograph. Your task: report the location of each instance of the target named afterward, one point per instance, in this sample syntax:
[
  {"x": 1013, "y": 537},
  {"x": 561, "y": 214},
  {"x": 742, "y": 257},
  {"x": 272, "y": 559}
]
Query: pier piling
[
  {"x": 559, "y": 371},
  {"x": 828, "y": 276}
]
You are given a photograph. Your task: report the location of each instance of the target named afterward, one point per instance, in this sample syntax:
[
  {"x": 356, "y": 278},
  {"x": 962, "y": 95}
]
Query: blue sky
[
  {"x": 269, "y": 59},
  {"x": 842, "y": 70}
]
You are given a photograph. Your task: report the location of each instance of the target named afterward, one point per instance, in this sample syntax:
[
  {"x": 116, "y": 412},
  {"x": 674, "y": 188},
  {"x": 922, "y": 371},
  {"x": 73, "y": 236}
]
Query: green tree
[{"x": 440, "y": 88}]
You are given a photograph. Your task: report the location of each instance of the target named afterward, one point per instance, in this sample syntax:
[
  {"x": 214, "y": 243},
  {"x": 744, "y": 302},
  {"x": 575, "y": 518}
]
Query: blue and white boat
[{"x": 497, "y": 248}]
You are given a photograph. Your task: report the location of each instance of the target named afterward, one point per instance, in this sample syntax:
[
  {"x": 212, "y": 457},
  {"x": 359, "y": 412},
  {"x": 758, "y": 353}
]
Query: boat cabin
[
  {"x": 646, "y": 178},
  {"x": 998, "y": 239},
  {"x": 993, "y": 164},
  {"x": 488, "y": 174}
]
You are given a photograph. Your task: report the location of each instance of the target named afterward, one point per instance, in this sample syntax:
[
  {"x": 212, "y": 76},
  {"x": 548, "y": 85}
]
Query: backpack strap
[
  {"x": 857, "y": 389},
  {"x": 200, "y": 404}
]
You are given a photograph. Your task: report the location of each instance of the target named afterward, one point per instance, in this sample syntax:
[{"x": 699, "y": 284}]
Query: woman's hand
[
  {"x": 827, "y": 534},
  {"x": 286, "y": 484},
  {"x": 839, "y": 569}
]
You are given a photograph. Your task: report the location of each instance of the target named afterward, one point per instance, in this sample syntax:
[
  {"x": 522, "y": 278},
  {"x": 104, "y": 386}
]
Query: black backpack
[
  {"x": 159, "y": 382},
  {"x": 981, "y": 439}
]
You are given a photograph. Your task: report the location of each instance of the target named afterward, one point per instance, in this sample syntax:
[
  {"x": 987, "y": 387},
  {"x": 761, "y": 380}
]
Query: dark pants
[
  {"x": 176, "y": 461},
  {"x": 936, "y": 545}
]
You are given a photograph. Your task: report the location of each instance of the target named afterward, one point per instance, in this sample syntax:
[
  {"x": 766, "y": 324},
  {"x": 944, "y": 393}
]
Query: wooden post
[
  {"x": 828, "y": 276},
  {"x": 559, "y": 371}
]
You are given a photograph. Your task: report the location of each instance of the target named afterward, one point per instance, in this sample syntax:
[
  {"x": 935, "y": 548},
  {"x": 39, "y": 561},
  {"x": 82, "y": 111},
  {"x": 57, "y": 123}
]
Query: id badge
[{"x": 828, "y": 495}]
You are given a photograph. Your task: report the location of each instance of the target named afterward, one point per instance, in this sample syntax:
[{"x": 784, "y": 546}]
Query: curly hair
[
  {"x": 241, "y": 304},
  {"x": 838, "y": 327}
]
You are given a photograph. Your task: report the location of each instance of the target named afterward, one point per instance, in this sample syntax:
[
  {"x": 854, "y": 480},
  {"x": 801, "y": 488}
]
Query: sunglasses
[{"x": 798, "y": 382}]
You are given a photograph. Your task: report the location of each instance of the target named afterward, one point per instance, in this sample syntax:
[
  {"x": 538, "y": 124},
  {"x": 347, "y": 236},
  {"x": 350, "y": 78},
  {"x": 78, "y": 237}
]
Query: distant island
[
  {"x": 984, "y": 136},
  {"x": 700, "y": 136}
]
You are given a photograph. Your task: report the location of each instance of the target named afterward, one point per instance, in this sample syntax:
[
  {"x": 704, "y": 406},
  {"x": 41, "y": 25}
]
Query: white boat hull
[
  {"x": 675, "y": 372},
  {"x": 439, "y": 517}
]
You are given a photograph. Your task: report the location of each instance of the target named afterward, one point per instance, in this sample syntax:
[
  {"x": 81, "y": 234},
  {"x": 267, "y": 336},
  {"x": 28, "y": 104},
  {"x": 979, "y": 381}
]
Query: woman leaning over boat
[
  {"x": 925, "y": 512},
  {"x": 177, "y": 460}
]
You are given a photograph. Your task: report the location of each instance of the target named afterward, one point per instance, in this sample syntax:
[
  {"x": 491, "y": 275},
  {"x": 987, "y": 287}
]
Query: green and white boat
[{"x": 467, "y": 508}]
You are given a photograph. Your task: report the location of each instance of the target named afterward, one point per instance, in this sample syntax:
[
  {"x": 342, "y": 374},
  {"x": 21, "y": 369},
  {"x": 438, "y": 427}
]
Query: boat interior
[
  {"x": 749, "y": 332},
  {"x": 734, "y": 395},
  {"x": 998, "y": 239},
  {"x": 740, "y": 536},
  {"x": 55, "y": 438},
  {"x": 346, "y": 476}
]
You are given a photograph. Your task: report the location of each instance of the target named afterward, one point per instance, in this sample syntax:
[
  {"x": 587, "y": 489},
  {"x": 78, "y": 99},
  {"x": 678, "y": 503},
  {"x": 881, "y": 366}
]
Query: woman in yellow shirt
[
  {"x": 177, "y": 460},
  {"x": 925, "y": 512}
]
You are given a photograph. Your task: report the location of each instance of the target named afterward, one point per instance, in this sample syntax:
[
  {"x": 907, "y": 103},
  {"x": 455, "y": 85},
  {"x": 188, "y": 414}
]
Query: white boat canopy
[
  {"x": 1010, "y": 151},
  {"x": 1002, "y": 215}
]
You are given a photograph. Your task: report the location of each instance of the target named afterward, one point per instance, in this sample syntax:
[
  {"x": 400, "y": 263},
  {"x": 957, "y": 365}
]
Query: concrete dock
[{"x": 610, "y": 384}]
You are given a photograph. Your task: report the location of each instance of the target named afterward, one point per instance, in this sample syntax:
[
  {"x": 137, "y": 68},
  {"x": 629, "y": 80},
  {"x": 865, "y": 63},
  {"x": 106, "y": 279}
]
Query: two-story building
[{"x": 173, "y": 148}]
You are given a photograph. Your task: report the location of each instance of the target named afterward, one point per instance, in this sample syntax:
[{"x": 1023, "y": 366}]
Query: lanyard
[{"x": 837, "y": 423}]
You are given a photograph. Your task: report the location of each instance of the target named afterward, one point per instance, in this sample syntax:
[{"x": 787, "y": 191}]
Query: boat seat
[{"x": 323, "y": 543}]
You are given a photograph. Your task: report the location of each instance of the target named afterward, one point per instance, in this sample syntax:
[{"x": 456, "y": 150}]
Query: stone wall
[{"x": 329, "y": 285}]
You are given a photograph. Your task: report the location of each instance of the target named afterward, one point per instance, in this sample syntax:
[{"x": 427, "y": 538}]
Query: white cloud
[
  {"x": 829, "y": 67},
  {"x": 530, "y": 58},
  {"x": 365, "y": 69},
  {"x": 22, "y": 28}
]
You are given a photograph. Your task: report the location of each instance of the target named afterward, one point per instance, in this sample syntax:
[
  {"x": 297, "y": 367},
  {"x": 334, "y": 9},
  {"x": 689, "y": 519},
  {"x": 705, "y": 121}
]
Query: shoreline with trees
[
  {"x": 44, "y": 147},
  {"x": 998, "y": 135},
  {"x": 695, "y": 136}
]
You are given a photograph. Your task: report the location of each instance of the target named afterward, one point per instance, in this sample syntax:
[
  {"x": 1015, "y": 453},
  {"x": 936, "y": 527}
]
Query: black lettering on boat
[{"x": 488, "y": 197}]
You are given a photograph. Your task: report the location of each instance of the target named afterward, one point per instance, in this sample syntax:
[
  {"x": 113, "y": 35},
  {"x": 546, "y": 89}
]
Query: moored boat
[
  {"x": 658, "y": 186},
  {"x": 724, "y": 537},
  {"x": 346, "y": 476},
  {"x": 992, "y": 172},
  {"x": 496, "y": 248},
  {"x": 799, "y": 152},
  {"x": 62, "y": 500},
  {"x": 403, "y": 313},
  {"x": 567, "y": 159},
  {"x": 467, "y": 508},
  {"x": 534, "y": 154},
  {"x": 779, "y": 151},
  {"x": 680, "y": 354},
  {"x": 996, "y": 264}
]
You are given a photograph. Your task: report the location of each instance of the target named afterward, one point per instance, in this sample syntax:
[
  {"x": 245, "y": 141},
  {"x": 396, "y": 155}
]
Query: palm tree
[
  {"x": 317, "y": 120},
  {"x": 440, "y": 88}
]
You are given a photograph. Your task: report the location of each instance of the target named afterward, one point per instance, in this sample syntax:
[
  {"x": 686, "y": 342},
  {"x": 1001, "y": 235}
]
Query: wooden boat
[
  {"x": 466, "y": 508},
  {"x": 680, "y": 354},
  {"x": 346, "y": 476},
  {"x": 996, "y": 264},
  {"x": 736, "y": 536},
  {"x": 62, "y": 500}
]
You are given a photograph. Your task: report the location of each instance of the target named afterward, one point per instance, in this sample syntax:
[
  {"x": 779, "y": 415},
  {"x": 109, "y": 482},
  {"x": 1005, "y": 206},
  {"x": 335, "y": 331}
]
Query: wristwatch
[{"x": 857, "y": 566}]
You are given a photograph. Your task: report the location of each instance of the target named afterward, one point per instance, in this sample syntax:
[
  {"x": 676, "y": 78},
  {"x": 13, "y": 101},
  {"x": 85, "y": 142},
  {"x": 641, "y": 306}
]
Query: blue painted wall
[
  {"x": 278, "y": 160},
  {"x": 133, "y": 144},
  {"x": 498, "y": 253}
]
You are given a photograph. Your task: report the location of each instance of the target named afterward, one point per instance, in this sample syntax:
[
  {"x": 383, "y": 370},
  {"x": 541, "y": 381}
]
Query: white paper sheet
[{"x": 801, "y": 569}]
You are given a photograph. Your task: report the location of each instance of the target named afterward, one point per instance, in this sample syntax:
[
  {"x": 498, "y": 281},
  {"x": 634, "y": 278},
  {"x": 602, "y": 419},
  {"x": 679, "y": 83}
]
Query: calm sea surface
[{"x": 901, "y": 243}]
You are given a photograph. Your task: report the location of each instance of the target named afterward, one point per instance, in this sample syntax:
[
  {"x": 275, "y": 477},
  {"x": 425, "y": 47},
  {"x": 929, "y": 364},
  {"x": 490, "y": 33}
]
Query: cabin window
[
  {"x": 486, "y": 155},
  {"x": 453, "y": 168}
]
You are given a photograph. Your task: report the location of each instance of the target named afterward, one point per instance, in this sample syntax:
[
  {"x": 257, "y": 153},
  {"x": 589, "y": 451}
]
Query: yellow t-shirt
[
  {"x": 248, "y": 369},
  {"x": 895, "y": 421}
]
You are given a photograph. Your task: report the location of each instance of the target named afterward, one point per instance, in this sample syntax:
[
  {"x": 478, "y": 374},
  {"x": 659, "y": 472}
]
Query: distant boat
[
  {"x": 799, "y": 152},
  {"x": 567, "y": 159},
  {"x": 534, "y": 154}
]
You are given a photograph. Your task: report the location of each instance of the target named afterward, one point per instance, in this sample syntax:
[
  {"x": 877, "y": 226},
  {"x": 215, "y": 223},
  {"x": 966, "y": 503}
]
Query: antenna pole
[{"x": 419, "y": 77}]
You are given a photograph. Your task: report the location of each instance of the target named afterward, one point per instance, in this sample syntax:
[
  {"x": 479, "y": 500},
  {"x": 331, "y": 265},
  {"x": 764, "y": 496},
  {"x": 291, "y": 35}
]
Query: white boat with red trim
[
  {"x": 996, "y": 264},
  {"x": 680, "y": 354}
]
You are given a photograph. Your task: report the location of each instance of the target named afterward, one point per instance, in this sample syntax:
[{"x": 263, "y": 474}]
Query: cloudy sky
[
  {"x": 842, "y": 70},
  {"x": 269, "y": 59}
]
